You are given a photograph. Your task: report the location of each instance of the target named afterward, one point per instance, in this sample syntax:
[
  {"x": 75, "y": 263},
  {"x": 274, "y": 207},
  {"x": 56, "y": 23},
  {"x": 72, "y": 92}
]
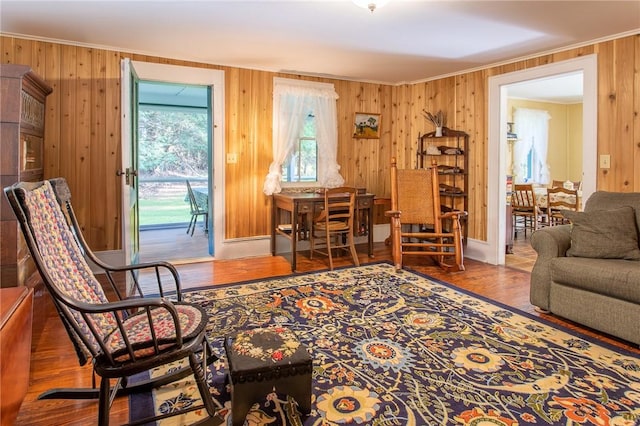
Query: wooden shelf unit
[{"x": 453, "y": 164}]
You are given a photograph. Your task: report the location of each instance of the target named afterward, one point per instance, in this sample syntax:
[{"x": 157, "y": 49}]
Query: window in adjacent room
[
  {"x": 305, "y": 136},
  {"x": 530, "y": 151}
]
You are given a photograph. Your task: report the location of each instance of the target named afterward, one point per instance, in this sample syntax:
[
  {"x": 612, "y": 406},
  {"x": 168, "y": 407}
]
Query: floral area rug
[{"x": 400, "y": 348}]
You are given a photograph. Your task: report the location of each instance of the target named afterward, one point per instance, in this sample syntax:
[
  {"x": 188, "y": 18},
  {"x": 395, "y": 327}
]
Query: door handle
[{"x": 128, "y": 173}]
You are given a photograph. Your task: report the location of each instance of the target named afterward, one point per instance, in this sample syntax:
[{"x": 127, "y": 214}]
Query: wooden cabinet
[
  {"x": 22, "y": 113},
  {"x": 451, "y": 154}
]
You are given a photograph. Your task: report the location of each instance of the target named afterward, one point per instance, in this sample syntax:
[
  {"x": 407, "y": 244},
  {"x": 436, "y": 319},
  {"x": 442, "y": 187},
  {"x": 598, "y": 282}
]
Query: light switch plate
[
  {"x": 232, "y": 158},
  {"x": 605, "y": 161}
]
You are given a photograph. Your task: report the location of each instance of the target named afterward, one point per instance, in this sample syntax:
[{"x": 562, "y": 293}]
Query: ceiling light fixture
[{"x": 371, "y": 4}]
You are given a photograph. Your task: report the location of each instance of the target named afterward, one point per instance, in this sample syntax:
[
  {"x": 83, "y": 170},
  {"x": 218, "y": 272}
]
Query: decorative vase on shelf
[{"x": 438, "y": 131}]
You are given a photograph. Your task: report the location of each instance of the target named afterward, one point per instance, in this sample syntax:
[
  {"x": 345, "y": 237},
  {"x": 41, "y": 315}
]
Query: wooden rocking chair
[
  {"x": 123, "y": 337},
  {"x": 418, "y": 226}
]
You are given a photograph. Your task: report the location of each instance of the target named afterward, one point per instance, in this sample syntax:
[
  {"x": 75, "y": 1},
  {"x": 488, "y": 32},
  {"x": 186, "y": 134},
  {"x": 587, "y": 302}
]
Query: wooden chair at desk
[{"x": 333, "y": 227}]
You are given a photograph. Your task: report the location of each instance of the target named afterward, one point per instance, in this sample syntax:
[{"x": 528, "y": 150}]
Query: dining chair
[
  {"x": 196, "y": 210},
  {"x": 332, "y": 228},
  {"x": 559, "y": 199},
  {"x": 121, "y": 332},
  {"x": 525, "y": 212}
]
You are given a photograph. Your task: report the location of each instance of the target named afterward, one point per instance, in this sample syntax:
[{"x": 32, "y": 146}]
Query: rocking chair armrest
[
  {"x": 455, "y": 214},
  {"x": 392, "y": 213},
  {"x": 157, "y": 266},
  {"x": 140, "y": 266},
  {"x": 124, "y": 305}
]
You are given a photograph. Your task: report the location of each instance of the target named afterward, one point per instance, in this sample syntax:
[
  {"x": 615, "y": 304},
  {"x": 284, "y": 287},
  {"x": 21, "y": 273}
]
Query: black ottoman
[{"x": 263, "y": 360}]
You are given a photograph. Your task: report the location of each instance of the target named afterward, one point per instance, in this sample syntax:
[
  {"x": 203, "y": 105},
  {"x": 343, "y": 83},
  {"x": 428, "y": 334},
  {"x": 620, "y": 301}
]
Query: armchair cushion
[
  {"x": 615, "y": 278},
  {"x": 604, "y": 234}
]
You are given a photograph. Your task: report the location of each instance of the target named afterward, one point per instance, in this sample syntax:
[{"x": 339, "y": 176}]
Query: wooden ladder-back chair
[
  {"x": 415, "y": 203},
  {"x": 524, "y": 209},
  {"x": 332, "y": 227},
  {"x": 121, "y": 338},
  {"x": 558, "y": 200}
]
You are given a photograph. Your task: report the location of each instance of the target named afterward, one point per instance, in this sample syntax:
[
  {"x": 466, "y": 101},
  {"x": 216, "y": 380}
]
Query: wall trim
[
  {"x": 126, "y": 52},
  {"x": 261, "y": 246}
]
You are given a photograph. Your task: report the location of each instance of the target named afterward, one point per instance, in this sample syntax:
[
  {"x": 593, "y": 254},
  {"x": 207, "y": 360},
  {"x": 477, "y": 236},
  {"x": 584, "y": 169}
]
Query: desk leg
[
  {"x": 294, "y": 236},
  {"x": 274, "y": 223},
  {"x": 370, "y": 236}
]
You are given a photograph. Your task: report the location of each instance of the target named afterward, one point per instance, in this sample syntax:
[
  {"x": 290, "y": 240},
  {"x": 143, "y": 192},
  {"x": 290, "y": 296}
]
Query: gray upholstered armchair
[{"x": 589, "y": 271}]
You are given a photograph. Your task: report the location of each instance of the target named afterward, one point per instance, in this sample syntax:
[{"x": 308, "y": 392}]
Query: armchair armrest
[
  {"x": 549, "y": 243},
  {"x": 553, "y": 241}
]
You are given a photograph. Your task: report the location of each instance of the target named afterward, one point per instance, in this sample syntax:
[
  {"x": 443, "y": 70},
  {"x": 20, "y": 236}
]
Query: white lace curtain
[
  {"x": 293, "y": 100},
  {"x": 532, "y": 127}
]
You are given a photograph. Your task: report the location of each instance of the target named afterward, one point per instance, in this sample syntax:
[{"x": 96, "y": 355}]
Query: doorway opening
[
  {"x": 493, "y": 251},
  {"x": 173, "y": 148},
  {"x": 544, "y": 145},
  {"x": 133, "y": 74}
]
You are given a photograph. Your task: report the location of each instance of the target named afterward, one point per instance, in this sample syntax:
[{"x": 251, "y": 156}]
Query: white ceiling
[
  {"x": 564, "y": 89},
  {"x": 404, "y": 41}
]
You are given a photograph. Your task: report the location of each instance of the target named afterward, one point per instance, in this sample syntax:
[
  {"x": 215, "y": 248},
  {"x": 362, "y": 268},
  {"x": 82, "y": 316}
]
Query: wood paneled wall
[{"x": 83, "y": 128}]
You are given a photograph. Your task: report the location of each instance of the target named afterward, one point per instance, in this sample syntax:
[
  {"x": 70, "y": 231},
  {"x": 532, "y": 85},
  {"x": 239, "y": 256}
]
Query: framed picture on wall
[{"x": 366, "y": 126}]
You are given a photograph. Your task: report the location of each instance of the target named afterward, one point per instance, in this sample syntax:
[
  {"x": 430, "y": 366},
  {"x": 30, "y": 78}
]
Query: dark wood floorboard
[{"x": 54, "y": 363}]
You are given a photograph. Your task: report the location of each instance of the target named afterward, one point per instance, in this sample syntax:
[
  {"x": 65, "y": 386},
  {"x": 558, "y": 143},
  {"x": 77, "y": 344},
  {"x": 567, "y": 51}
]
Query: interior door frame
[
  {"x": 214, "y": 79},
  {"x": 494, "y": 252},
  {"x": 128, "y": 173}
]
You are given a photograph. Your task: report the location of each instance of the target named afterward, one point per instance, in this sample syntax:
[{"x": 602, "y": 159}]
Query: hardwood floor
[
  {"x": 523, "y": 256},
  {"x": 174, "y": 245},
  {"x": 54, "y": 363}
]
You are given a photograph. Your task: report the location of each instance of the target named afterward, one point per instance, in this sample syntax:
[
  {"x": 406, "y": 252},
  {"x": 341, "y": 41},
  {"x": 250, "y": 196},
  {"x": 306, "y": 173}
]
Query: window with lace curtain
[
  {"x": 530, "y": 152},
  {"x": 305, "y": 136},
  {"x": 302, "y": 163}
]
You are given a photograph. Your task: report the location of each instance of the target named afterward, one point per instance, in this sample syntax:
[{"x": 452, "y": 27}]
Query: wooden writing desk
[{"x": 296, "y": 210}]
